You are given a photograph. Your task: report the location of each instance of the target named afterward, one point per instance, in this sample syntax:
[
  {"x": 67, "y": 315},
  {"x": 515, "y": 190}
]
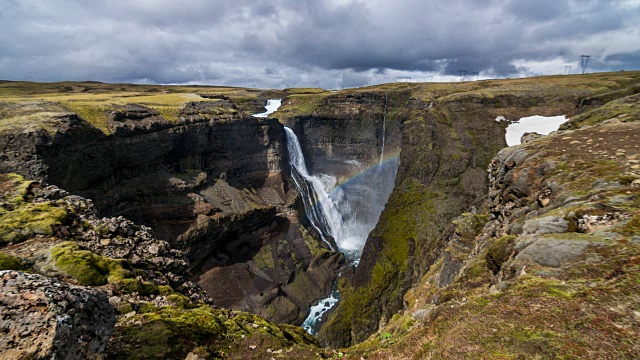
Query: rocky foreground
[{"x": 481, "y": 252}]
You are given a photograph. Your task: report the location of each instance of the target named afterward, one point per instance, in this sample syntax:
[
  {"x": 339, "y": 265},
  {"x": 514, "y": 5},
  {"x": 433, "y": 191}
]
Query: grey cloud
[
  {"x": 539, "y": 10},
  {"x": 328, "y": 43}
]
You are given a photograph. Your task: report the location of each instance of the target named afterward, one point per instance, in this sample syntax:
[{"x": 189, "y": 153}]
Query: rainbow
[{"x": 360, "y": 174}]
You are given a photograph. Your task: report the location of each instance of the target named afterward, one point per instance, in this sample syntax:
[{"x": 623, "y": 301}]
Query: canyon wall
[
  {"x": 448, "y": 138},
  {"x": 214, "y": 184}
]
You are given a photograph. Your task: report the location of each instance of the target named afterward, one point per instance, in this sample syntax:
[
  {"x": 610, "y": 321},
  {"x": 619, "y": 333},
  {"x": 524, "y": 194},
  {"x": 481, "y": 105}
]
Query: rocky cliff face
[
  {"x": 448, "y": 137},
  {"x": 213, "y": 183},
  {"x": 128, "y": 277},
  {"x": 354, "y": 137},
  {"x": 547, "y": 265}
]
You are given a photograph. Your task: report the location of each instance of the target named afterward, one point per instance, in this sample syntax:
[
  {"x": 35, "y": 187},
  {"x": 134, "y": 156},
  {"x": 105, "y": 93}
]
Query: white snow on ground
[
  {"x": 272, "y": 106},
  {"x": 540, "y": 124}
]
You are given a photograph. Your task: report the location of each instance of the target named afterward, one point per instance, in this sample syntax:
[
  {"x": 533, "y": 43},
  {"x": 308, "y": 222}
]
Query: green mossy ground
[
  {"x": 9, "y": 262},
  {"x": 21, "y": 219},
  {"x": 86, "y": 267},
  {"x": 90, "y": 269},
  {"x": 173, "y": 332},
  {"x": 26, "y": 104}
]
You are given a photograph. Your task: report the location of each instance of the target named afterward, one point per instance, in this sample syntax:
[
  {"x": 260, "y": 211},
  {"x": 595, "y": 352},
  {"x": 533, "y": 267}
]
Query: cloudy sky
[{"x": 326, "y": 43}]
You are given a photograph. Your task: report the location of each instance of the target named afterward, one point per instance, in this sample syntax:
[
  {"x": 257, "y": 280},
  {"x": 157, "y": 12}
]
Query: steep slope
[
  {"x": 123, "y": 275},
  {"x": 448, "y": 135},
  {"x": 548, "y": 266}
]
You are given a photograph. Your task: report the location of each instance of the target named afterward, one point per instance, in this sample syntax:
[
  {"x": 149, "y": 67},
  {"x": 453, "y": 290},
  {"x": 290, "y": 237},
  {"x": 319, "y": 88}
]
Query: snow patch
[
  {"x": 272, "y": 106},
  {"x": 539, "y": 124}
]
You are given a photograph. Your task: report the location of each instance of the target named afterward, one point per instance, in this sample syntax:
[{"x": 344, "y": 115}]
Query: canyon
[{"x": 202, "y": 196}]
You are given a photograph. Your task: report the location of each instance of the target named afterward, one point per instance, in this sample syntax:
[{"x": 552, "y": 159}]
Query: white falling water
[
  {"x": 384, "y": 128},
  {"x": 320, "y": 209},
  {"x": 328, "y": 207},
  {"x": 333, "y": 211},
  {"x": 272, "y": 106}
]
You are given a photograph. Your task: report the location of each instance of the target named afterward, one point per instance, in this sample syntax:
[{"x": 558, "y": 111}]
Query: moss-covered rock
[
  {"x": 91, "y": 269},
  {"x": 499, "y": 252},
  {"x": 8, "y": 262},
  {"x": 86, "y": 267},
  {"x": 172, "y": 333},
  {"x": 21, "y": 219},
  {"x": 468, "y": 225}
]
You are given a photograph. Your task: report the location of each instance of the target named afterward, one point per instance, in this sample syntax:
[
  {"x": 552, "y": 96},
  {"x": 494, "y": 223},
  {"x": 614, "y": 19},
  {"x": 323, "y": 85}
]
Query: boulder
[
  {"x": 42, "y": 318},
  {"x": 529, "y": 137},
  {"x": 546, "y": 225},
  {"x": 553, "y": 252}
]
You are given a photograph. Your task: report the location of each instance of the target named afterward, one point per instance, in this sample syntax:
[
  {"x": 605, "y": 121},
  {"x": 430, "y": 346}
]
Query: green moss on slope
[
  {"x": 172, "y": 333},
  {"x": 8, "y": 262},
  {"x": 20, "y": 219},
  {"x": 90, "y": 269}
]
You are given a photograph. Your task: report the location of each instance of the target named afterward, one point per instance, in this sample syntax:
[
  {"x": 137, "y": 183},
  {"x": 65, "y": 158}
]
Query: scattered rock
[
  {"x": 193, "y": 356},
  {"x": 545, "y": 197},
  {"x": 421, "y": 314}
]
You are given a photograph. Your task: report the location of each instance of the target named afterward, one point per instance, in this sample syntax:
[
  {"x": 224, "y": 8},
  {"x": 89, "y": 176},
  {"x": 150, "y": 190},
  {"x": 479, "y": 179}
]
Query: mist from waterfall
[{"x": 346, "y": 212}]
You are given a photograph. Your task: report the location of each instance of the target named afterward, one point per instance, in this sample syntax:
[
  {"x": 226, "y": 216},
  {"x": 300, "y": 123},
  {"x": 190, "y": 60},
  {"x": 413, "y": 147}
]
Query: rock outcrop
[{"x": 42, "y": 318}]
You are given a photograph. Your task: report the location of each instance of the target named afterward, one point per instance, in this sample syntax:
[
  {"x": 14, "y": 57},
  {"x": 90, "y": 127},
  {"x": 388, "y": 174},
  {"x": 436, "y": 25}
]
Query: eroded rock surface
[{"x": 41, "y": 318}]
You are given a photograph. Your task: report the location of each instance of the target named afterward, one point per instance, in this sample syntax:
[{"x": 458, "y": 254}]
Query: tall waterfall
[
  {"x": 384, "y": 129},
  {"x": 333, "y": 210},
  {"x": 342, "y": 214},
  {"x": 319, "y": 207}
]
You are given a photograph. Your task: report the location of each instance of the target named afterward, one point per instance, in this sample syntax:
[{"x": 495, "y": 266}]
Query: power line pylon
[
  {"x": 584, "y": 60},
  {"x": 463, "y": 74}
]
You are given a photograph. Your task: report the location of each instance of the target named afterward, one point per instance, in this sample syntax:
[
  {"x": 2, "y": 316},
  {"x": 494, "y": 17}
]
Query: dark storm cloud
[{"x": 328, "y": 43}]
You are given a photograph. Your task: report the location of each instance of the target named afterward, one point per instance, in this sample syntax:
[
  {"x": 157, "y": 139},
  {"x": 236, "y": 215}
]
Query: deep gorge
[{"x": 216, "y": 183}]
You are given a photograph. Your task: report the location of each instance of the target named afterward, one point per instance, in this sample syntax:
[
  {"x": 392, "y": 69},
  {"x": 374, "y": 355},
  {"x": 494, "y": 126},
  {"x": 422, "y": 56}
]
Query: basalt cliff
[{"x": 163, "y": 221}]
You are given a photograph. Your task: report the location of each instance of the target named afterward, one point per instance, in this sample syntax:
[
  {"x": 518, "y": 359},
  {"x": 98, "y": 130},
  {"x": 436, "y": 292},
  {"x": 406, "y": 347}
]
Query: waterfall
[
  {"x": 384, "y": 129},
  {"x": 341, "y": 214},
  {"x": 333, "y": 211},
  {"x": 319, "y": 208}
]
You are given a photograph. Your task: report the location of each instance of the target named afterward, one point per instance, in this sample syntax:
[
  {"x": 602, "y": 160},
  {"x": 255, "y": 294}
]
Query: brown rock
[{"x": 45, "y": 318}]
